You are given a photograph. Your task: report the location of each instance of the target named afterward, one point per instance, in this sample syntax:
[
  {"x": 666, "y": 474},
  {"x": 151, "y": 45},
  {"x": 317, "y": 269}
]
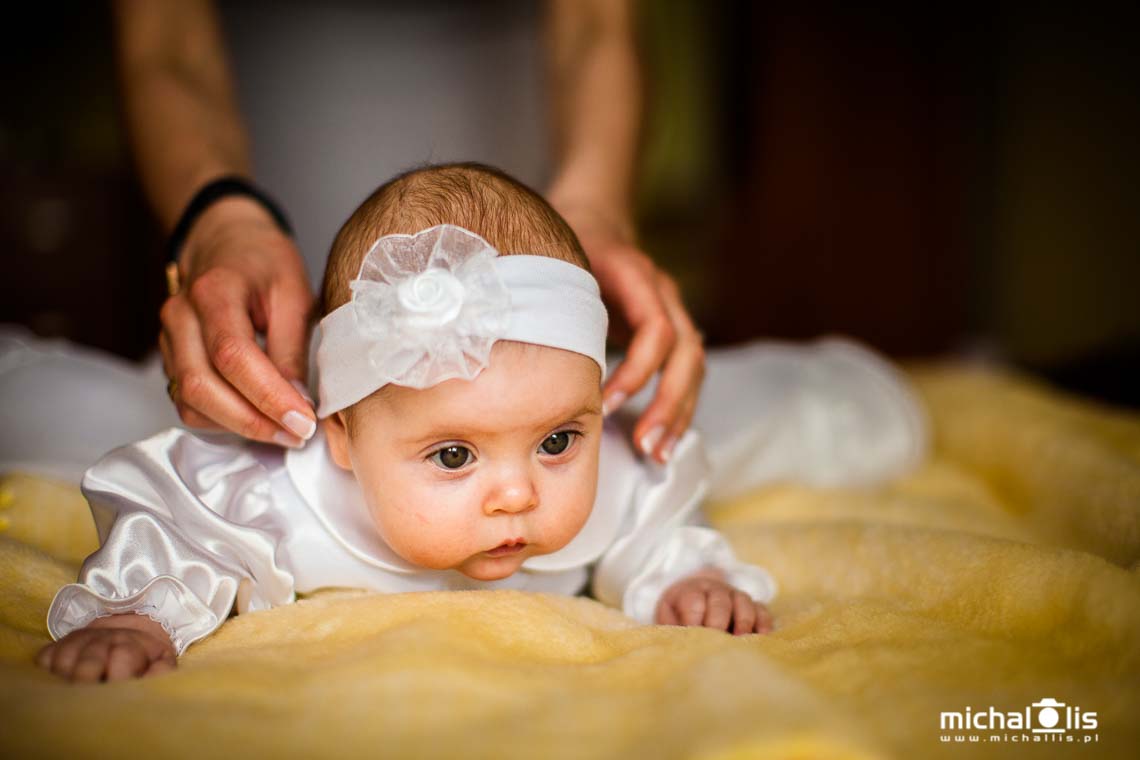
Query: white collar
[{"x": 335, "y": 498}]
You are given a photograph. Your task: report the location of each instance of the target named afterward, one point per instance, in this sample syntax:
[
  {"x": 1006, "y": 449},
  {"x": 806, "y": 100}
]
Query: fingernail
[
  {"x": 302, "y": 389},
  {"x": 299, "y": 424},
  {"x": 281, "y": 438},
  {"x": 667, "y": 448},
  {"x": 650, "y": 439},
  {"x": 613, "y": 402}
]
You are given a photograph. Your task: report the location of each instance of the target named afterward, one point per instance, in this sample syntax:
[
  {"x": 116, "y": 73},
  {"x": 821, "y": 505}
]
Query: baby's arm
[
  {"x": 705, "y": 599},
  {"x": 667, "y": 565},
  {"x": 110, "y": 648},
  {"x": 175, "y": 549}
]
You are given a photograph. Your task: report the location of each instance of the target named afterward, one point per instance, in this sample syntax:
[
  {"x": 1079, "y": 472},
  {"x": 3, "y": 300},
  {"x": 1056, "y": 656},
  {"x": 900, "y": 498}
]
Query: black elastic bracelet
[{"x": 213, "y": 191}]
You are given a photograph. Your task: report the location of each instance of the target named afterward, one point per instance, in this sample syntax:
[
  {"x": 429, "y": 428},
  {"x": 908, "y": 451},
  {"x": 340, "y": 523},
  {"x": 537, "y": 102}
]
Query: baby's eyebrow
[{"x": 451, "y": 430}]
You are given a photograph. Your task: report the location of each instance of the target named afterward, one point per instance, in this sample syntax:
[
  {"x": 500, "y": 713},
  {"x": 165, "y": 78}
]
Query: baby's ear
[{"x": 337, "y": 436}]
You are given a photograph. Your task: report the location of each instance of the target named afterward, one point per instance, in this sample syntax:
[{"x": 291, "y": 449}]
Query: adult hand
[
  {"x": 240, "y": 275},
  {"x": 648, "y": 316}
]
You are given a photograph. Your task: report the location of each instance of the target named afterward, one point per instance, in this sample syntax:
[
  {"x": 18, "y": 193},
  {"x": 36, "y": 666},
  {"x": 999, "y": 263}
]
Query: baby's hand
[
  {"x": 705, "y": 599},
  {"x": 111, "y": 648}
]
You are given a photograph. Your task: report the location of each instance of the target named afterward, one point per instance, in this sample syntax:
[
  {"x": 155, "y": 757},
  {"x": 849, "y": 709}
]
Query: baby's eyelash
[
  {"x": 454, "y": 454},
  {"x": 573, "y": 436}
]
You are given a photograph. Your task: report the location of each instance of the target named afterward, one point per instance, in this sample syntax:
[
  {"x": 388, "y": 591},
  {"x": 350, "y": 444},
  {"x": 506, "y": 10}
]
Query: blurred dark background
[{"x": 933, "y": 180}]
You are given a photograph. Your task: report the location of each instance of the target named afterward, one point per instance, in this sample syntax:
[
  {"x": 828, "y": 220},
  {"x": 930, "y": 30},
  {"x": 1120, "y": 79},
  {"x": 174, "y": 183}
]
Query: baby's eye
[
  {"x": 451, "y": 457},
  {"x": 556, "y": 443}
]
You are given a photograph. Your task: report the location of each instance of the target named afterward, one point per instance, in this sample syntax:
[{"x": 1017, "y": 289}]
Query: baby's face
[{"x": 453, "y": 471}]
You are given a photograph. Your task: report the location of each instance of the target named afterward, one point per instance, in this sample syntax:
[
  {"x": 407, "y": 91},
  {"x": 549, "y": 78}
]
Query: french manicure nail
[
  {"x": 667, "y": 448},
  {"x": 650, "y": 439},
  {"x": 613, "y": 402},
  {"x": 281, "y": 438},
  {"x": 303, "y": 390},
  {"x": 299, "y": 424}
]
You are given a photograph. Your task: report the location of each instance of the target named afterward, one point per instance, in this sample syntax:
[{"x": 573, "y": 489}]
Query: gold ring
[
  {"x": 171, "y": 389},
  {"x": 173, "y": 281}
]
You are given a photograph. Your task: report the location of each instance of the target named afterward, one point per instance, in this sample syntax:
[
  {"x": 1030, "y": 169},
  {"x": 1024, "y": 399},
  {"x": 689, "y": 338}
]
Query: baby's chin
[{"x": 483, "y": 568}]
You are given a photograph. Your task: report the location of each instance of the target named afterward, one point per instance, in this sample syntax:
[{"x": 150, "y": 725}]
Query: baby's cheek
[
  {"x": 418, "y": 537},
  {"x": 570, "y": 518}
]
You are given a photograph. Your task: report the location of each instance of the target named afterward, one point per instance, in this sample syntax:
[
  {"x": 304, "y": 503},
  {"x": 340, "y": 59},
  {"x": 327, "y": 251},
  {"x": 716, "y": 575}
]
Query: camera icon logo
[{"x": 1047, "y": 716}]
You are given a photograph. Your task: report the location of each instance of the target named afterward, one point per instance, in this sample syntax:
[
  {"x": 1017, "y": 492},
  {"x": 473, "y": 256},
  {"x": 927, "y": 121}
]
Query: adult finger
[
  {"x": 287, "y": 329},
  {"x": 718, "y": 609},
  {"x": 190, "y": 417},
  {"x": 221, "y": 302},
  {"x": 164, "y": 350},
  {"x": 653, "y": 336},
  {"x": 691, "y": 606},
  {"x": 743, "y": 613},
  {"x": 125, "y": 659},
  {"x": 204, "y": 399},
  {"x": 92, "y": 661},
  {"x": 669, "y": 414}
]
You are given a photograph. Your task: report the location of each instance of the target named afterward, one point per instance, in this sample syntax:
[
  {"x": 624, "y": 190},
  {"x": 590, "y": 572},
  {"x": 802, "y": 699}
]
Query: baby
[{"x": 462, "y": 446}]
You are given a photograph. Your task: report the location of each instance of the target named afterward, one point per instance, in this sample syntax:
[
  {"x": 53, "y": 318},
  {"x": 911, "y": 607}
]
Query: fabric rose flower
[
  {"x": 431, "y": 299},
  {"x": 432, "y": 304}
]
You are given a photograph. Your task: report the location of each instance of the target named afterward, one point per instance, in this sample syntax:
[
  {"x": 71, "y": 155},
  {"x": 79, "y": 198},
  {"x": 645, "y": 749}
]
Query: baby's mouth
[{"x": 507, "y": 547}]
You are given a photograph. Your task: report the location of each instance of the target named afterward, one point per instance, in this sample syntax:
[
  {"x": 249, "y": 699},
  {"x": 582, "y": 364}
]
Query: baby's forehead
[{"x": 524, "y": 386}]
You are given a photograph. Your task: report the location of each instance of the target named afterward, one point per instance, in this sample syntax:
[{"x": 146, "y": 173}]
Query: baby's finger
[
  {"x": 165, "y": 663},
  {"x": 665, "y": 614},
  {"x": 65, "y": 653},
  {"x": 763, "y": 619},
  {"x": 92, "y": 662},
  {"x": 45, "y": 656},
  {"x": 155, "y": 648},
  {"x": 691, "y": 607},
  {"x": 718, "y": 609},
  {"x": 743, "y": 613},
  {"x": 125, "y": 659}
]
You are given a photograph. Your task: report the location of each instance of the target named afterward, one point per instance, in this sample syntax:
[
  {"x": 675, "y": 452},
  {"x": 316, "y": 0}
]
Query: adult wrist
[
  {"x": 598, "y": 207},
  {"x": 593, "y": 220},
  {"x": 224, "y": 197}
]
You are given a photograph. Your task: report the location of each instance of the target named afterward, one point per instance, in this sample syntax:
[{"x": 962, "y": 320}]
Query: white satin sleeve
[
  {"x": 186, "y": 524},
  {"x": 666, "y": 538}
]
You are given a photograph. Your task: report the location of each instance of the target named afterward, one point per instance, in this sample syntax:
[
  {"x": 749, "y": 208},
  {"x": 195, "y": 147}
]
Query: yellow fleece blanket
[{"x": 1004, "y": 572}]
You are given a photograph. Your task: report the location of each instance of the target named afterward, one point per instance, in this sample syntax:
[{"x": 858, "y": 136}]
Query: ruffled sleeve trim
[{"x": 165, "y": 599}]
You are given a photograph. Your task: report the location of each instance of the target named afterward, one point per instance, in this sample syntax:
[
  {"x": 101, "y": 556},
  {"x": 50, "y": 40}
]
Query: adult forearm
[
  {"x": 178, "y": 100},
  {"x": 596, "y": 87}
]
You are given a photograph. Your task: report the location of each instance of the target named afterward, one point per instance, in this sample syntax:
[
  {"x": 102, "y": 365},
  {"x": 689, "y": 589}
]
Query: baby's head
[{"x": 455, "y": 469}]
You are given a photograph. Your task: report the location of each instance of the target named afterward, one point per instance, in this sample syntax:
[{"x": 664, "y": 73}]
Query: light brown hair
[{"x": 480, "y": 198}]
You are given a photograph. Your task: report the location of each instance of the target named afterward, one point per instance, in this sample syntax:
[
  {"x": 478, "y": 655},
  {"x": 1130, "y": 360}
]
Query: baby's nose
[{"x": 514, "y": 495}]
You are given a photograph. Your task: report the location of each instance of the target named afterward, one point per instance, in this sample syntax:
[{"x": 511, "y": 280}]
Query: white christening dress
[{"x": 192, "y": 524}]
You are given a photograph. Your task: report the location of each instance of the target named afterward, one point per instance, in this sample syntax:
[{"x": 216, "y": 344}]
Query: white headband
[{"x": 428, "y": 307}]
